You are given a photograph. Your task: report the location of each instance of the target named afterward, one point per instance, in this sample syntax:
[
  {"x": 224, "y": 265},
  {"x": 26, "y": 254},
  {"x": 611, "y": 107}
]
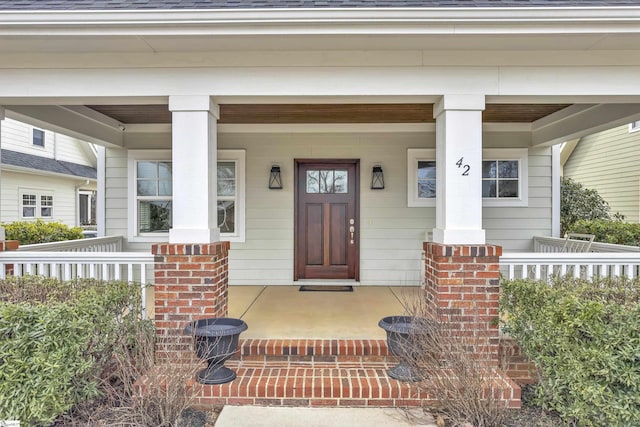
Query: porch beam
[
  {"x": 459, "y": 170},
  {"x": 76, "y": 121},
  {"x": 194, "y": 156},
  {"x": 578, "y": 121}
]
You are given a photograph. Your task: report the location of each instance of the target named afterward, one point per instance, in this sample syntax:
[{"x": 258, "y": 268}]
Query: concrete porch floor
[{"x": 284, "y": 312}]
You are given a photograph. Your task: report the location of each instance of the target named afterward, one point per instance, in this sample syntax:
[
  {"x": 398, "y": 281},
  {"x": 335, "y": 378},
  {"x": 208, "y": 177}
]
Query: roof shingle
[{"x": 24, "y": 160}]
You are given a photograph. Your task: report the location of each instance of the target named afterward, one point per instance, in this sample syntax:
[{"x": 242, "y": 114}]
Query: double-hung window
[
  {"x": 36, "y": 204},
  {"x": 46, "y": 206},
  {"x": 421, "y": 185},
  {"x": 504, "y": 177},
  {"x": 634, "y": 126},
  {"x": 153, "y": 196},
  {"x": 151, "y": 204},
  {"x": 231, "y": 194},
  {"x": 29, "y": 205}
]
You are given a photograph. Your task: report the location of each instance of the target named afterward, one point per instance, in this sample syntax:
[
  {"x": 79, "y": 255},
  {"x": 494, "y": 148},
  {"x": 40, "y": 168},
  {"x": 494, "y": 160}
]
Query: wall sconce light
[
  {"x": 275, "y": 180},
  {"x": 377, "y": 178}
]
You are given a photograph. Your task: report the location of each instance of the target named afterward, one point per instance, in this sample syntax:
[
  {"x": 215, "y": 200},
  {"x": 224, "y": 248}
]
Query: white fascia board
[
  {"x": 577, "y": 121},
  {"x": 326, "y": 21},
  {"x": 38, "y": 172},
  {"x": 76, "y": 121}
]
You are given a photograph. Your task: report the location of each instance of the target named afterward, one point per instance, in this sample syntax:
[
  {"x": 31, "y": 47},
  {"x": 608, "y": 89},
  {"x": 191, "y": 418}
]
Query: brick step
[
  {"x": 314, "y": 350},
  {"x": 309, "y": 383}
]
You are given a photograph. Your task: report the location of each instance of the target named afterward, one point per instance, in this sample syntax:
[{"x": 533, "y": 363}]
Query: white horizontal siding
[
  {"x": 63, "y": 190},
  {"x": 609, "y": 162},
  {"x": 391, "y": 234},
  {"x": 514, "y": 227},
  {"x": 73, "y": 150},
  {"x": 18, "y": 136},
  {"x": 116, "y": 210}
]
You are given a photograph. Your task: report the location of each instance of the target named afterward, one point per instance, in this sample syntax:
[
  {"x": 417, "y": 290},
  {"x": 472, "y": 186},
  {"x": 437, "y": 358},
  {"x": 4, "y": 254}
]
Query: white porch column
[
  {"x": 194, "y": 156},
  {"x": 459, "y": 170},
  {"x": 2, "y": 234}
]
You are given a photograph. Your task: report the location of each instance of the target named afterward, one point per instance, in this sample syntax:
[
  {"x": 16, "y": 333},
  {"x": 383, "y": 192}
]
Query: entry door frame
[{"x": 296, "y": 202}]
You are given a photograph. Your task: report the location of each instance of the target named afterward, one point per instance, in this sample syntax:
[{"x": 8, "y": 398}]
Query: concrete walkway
[{"x": 272, "y": 416}]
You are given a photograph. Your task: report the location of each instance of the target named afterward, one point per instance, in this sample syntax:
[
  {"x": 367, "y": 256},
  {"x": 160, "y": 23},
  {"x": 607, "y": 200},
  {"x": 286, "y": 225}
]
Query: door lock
[{"x": 352, "y": 229}]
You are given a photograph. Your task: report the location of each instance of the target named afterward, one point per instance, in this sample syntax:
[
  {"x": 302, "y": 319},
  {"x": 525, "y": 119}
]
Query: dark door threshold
[{"x": 326, "y": 288}]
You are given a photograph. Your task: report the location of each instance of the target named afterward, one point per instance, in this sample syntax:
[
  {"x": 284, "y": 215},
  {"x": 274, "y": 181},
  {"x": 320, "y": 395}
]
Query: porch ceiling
[{"x": 328, "y": 113}]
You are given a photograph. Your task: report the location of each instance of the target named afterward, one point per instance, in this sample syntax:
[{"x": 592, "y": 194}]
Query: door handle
[{"x": 352, "y": 230}]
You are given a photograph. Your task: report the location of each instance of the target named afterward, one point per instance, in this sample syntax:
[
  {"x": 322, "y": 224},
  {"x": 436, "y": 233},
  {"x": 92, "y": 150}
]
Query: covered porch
[
  {"x": 487, "y": 98},
  {"x": 287, "y": 313}
]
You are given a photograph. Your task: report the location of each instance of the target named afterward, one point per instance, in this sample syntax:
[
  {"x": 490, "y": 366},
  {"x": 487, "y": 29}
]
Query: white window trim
[
  {"x": 521, "y": 154},
  {"x": 44, "y": 138},
  {"x": 133, "y": 157},
  {"x": 38, "y": 206},
  {"x": 414, "y": 155},
  {"x": 634, "y": 126},
  {"x": 239, "y": 156}
]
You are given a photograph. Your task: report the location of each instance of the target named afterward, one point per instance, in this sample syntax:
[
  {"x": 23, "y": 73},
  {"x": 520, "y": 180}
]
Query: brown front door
[{"x": 327, "y": 218}]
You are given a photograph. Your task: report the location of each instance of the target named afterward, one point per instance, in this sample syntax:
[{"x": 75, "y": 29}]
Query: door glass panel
[
  {"x": 340, "y": 183},
  {"x": 327, "y": 181},
  {"x": 313, "y": 183}
]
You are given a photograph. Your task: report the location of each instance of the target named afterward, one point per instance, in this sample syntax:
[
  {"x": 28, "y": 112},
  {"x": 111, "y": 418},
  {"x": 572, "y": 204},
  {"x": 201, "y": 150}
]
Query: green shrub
[
  {"x": 578, "y": 202},
  {"x": 55, "y": 340},
  {"x": 608, "y": 231},
  {"x": 39, "y": 231},
  {"x": 584, "y": 338}
]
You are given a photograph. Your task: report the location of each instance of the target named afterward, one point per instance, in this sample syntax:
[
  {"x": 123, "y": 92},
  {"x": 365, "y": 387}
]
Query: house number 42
[{"x": 465, "y": 168}]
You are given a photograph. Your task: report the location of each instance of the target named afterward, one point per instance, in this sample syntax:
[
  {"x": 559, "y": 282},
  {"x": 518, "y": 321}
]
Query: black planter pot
[
  {"x": 398, "y": 330},
  {"x": 216, "y": 340}
]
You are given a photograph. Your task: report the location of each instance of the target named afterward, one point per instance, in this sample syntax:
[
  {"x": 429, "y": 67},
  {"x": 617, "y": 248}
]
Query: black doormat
[{"x": 326, "y": 288}]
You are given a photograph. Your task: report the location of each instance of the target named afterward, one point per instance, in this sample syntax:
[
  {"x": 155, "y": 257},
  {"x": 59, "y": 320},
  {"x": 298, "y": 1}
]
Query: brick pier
[{"x": 191, "y": 283}]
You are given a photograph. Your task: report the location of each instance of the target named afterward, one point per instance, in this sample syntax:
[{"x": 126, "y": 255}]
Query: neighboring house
[
  {"x": 609, "y": 162},
  {"x": 46, "y": 175},
  {"x": 196, "y": 103}
]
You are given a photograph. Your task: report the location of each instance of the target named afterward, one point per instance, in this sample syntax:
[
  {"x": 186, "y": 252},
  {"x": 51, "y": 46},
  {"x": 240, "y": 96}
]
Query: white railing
[
  {"x": 129, "y": 266},
  {"x": 555, "y": 244},
  {"x": 542, "y": 266},
  {"x": 94, "y": 244}
]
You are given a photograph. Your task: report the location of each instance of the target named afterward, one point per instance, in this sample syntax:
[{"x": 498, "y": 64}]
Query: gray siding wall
[
  {"x": 609, "y": 162},
  {"x": 391, "y": 234}
]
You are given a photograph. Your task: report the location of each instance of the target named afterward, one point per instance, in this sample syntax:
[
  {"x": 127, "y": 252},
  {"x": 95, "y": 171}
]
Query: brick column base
[
  {"x": 191, "y": 282},
  {"x": 462, "y": 287}
]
